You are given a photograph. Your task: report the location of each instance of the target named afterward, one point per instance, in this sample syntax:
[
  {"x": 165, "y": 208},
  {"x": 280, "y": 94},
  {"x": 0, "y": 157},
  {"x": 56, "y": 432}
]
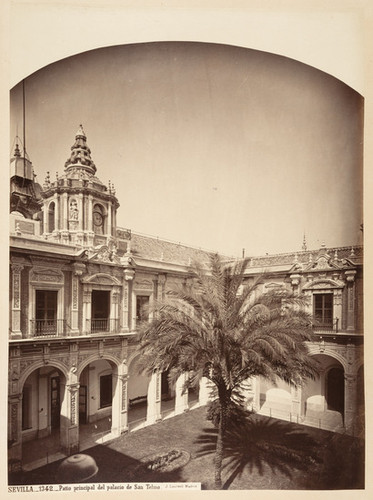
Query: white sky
[{"x": 215, "y": 146}]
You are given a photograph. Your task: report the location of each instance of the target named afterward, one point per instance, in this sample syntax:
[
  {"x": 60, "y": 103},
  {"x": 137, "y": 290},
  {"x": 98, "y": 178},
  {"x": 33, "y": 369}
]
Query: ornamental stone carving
[
  {"x": 46, "y": 275},
  {"x": 143, "y": 285}
]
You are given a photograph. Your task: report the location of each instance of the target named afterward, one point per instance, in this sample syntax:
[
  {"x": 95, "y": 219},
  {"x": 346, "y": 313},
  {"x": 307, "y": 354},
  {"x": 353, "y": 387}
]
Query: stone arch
[
  {"x": 43, "y": 408},
  {"x": 41, "y": 364},
  {"x": 103, "y": 398},
  {"x": 328, "y": 351},
  {"x": 96, "y": 357}
]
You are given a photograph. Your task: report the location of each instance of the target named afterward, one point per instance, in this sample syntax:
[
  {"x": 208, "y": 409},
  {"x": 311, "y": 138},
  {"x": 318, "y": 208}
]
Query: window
[
  {"x": 142, "y": 308},
  {"x": 100, "y": 311},
  {"x": 106, "y": 390},
  {"x": 323, "y": 309},
  {"x": 46, "y": 311}
]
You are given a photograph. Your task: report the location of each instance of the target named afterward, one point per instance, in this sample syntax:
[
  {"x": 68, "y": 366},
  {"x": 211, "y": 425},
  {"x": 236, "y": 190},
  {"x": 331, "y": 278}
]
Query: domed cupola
[
  {"x": 80, "y": 157},
  {"x": 78, "y": 208}
]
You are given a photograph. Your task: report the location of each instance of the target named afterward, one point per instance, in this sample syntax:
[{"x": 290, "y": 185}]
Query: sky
[{"x": 219, "y": 147}]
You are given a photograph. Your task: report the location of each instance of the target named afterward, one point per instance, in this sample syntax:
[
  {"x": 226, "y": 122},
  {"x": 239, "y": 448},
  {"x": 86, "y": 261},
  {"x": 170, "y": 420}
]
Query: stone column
[
  {"x": 80, "y": 212},
  {"x": 205, "y": 390},
  {"x": 350, "y": 276},
  {"x": 296, "y": 403},
  {"x": 129, "y": 274},
  {"x": 15, "y": 426},
  {"x": 153, "y": 413},
  {"x": 45, "y": 219},
  {"x": 57, "y": 222},
  {"x": 109, "y": 221},
  {"x": 114, "y": 312},
  {"x": 120, "y": 406},
  {"x": 16, "y": 332},
  {"x": 69, "y": 427},
  {"x": 181, "y": 398},
  {"x": 337, "y": 310},
  {"x": 14, "y": 405},
  {"x": 87, "y": 304},
  {"x": 65, "y": 210},
  {"x": 90, "y": 208},
  {"x": 125, "y": 297},
  {"x": 350, "y": 403},
  {"x": 43, "y": 407}
]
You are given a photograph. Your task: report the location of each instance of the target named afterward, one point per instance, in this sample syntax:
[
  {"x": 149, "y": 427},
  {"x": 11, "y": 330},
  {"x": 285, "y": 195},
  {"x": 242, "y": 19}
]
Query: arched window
[{"x": 51, "y": 217}]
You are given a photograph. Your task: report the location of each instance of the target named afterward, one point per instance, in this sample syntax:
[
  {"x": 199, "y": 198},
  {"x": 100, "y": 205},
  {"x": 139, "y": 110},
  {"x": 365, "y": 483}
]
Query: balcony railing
[
  {"x": 48, "y": 327},
  {"x": 326, "y": 327},
  {"x": 102, "y": 325}
]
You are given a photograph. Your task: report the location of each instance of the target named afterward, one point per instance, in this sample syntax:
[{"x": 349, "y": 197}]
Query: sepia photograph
[{"x": 186, "y": 292}]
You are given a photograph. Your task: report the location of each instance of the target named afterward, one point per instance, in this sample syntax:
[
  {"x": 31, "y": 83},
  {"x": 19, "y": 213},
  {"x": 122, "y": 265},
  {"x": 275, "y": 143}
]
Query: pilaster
[
  {"x": 154, "y": 399},
  {"x": 16, "y": 301},
  {"x": 181, "y": 395}
]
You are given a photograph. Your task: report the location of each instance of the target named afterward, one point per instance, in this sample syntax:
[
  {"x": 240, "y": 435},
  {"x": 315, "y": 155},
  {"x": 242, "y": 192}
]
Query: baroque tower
[{"x": 77, "y": 207}]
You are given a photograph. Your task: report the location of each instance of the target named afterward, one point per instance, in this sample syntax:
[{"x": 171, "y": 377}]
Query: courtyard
[{"x": 272, "y": 454}]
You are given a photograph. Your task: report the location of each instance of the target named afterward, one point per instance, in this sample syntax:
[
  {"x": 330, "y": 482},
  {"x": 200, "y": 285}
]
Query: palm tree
[{"x": 221, "y": 327}]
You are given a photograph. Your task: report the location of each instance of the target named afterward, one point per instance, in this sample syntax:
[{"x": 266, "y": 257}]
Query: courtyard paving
[{"x": 266, "y": 458}]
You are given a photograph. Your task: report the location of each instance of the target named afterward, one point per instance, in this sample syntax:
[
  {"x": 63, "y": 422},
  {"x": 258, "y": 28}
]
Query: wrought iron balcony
[
  {"x": 326, "y": 326},
  {"x": 48, "y": 328},
  {"x": 102, "y": 325}
]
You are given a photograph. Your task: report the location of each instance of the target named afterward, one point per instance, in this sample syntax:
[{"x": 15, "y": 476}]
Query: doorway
[
  {"x": 335, "y": 390},
  {"x": 100, "y": 311}
]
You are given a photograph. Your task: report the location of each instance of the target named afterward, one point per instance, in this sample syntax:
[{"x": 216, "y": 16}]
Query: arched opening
[
  {"x": 96, "y": 392},
  {"x": 323, "y": 398},
  {"x": 137, "y": 389},
  {"x": 41, "y": 418},
  {"x": 335, "y": 391},
  {"x": 51, "y": 217},
  {"x": 275, "y": 401}
]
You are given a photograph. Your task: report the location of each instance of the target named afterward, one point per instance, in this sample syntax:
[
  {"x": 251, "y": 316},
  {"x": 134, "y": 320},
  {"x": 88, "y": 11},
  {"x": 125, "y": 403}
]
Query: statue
[{"x": 73, "y": 210}]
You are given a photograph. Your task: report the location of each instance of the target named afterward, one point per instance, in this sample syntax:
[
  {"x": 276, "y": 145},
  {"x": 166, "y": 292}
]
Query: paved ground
[{"x": 272, "y": 455}]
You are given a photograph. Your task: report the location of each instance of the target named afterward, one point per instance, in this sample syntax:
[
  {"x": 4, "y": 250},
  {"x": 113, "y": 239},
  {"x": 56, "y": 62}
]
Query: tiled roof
[
  {"x": 153, "y": 248},
  {"x": 303, "y": 257}
]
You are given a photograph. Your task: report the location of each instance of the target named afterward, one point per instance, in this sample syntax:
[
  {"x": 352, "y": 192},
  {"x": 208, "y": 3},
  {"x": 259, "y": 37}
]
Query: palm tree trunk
[{"x": 220, "y": 445}]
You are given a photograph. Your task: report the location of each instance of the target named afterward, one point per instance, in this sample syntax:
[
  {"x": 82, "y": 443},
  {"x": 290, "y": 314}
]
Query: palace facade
[{"x": 80, "y": 285}]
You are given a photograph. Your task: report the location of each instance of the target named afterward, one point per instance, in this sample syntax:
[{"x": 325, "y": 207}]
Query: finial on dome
[
  {"x": 80, "y": 132},
  {"x": 17, "y": 152}
]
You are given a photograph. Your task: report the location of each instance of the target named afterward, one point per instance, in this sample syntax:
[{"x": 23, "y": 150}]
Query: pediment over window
[
  {"x": 46, "y": 275},
  {"x": 274, "y": 286},
  {"x": 324, "y": 284},
  {"x": 101, "y": 279},
  {"x": 323, "y": 263}
]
